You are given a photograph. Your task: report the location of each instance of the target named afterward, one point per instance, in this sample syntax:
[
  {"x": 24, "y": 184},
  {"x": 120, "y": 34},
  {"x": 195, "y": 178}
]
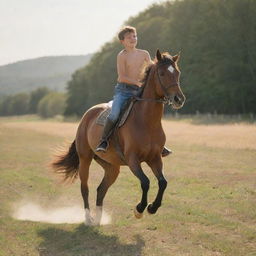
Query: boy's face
[{"x": 130, "y": 39}]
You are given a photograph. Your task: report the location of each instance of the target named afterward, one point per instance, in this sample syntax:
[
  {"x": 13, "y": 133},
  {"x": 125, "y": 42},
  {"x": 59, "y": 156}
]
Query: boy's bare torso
[{"x": 130, "y": 65}]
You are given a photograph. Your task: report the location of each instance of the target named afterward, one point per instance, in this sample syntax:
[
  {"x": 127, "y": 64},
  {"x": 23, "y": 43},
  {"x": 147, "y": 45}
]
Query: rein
[{"x": 164, "y": 100}]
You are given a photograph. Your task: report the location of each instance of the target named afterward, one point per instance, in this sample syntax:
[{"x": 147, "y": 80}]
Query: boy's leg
[
  {"x": 118, "y": 102},
  {"x": 109, "y": 125}
]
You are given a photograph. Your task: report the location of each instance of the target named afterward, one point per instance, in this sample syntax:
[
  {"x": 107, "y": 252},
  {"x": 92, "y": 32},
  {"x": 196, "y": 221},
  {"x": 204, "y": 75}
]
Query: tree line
[
  {"x": 42, "y": 101},
  {"x": 218, "y": 52}
]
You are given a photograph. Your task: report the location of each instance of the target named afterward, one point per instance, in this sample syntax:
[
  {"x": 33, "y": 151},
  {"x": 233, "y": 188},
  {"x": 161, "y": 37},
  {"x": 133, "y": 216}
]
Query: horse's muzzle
[{"x": 177, "y": 100}]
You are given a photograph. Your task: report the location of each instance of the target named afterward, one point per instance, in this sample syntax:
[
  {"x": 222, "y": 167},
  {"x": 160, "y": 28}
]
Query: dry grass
[
  {"x": 208, "y": 208},
  {"x": 234, "y": 136},
  {"x": 50, "y": 128}
]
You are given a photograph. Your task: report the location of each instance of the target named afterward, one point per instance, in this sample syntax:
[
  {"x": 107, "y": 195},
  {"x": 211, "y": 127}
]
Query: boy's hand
[{"x": 139, "y": 83}]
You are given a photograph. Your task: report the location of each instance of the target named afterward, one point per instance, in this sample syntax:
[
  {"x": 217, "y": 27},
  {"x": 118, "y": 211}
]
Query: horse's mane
[{"x": 166, "y": 59}]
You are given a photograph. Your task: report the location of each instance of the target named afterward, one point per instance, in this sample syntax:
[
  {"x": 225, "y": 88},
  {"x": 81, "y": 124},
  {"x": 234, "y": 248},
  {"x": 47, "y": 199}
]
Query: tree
[
  {"x": 35, "y": 97},
  {"x": 52, "y": 104},
  {"x": 217, "y": 55},
  {"x": 15, "y": 104}
]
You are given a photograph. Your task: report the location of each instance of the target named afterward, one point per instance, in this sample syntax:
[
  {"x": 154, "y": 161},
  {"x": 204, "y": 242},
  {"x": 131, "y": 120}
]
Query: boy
[{"x": 130, "y": 62}]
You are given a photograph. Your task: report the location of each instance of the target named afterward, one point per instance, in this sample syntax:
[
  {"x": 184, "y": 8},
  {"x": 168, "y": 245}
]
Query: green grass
[{"x": 209, "y": 207}]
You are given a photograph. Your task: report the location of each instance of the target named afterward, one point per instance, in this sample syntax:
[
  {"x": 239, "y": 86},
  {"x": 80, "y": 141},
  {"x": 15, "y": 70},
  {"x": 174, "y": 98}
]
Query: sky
[{"x": 36, "y": 28}]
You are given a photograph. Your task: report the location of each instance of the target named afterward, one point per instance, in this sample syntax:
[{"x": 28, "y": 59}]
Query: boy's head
[
  {"x": 126, "y": 30},
  {"x": 128, "y": 36}
]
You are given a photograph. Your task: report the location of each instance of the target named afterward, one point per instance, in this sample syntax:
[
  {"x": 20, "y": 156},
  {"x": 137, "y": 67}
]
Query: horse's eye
[{"x": 161, "y": 73}]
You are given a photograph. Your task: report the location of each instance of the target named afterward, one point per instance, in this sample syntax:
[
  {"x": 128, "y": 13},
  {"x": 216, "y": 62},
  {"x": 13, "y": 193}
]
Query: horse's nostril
[{"x": 177, "y": 99}]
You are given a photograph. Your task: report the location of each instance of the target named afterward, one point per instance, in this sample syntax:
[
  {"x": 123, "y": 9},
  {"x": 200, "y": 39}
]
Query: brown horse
[{"x": 141, "y": 138}]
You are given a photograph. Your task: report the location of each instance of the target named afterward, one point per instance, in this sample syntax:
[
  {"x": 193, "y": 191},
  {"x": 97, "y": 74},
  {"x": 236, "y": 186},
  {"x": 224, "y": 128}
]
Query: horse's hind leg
[
  {"x": 111, "y": 173},
  {"x": 84, "y": 164}
]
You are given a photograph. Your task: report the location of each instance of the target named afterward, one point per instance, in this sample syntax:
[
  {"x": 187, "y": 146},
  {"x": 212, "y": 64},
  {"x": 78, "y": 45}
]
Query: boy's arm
[{"x": 121, "y": 72}]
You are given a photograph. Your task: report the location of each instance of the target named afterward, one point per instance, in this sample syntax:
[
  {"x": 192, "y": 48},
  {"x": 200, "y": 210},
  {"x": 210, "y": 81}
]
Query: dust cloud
[{"x": 72, "y": 214}]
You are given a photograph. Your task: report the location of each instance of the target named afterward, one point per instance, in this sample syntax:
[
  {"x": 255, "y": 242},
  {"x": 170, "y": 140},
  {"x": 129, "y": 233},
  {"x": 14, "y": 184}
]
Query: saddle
[{"x": 101, "y": 120}]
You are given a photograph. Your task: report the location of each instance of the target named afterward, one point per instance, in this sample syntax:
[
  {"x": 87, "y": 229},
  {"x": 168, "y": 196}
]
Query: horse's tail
[{"x": 67, "y": 163}]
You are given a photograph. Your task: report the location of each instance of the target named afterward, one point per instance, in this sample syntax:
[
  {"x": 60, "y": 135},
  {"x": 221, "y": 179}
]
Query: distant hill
[{"x": 53, "y": 72}]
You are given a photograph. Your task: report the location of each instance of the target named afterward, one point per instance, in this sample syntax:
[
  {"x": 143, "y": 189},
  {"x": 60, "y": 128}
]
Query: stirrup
[{"x": 103, "y": 146}]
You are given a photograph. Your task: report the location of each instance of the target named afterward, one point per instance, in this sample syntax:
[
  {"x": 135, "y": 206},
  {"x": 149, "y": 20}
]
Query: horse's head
[{"x": 167, "y": 76}]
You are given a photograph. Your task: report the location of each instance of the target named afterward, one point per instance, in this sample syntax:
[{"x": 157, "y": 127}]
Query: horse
[{"x": 141, "y": 139}]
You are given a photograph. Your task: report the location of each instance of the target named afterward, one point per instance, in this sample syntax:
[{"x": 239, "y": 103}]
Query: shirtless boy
[{"x": 130, "y": 62}]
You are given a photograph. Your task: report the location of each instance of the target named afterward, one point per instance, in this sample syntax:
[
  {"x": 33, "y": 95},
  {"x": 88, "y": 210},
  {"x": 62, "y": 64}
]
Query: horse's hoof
[
  {"x": 137, "y": 214},
  {"x": 98, "y": 215},
  {"x": 150, "y": 209},
  {"x": 89, "y": 221}
]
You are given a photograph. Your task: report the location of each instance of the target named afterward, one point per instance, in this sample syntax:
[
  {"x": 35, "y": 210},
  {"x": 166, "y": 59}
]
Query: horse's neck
[{"x": 148, "y": 111}]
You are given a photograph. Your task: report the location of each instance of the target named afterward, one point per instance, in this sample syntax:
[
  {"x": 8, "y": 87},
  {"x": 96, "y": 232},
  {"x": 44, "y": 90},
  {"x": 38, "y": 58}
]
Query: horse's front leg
[
  {"x": 135, "y": 167},
  {"x": 157, "y": 165}
]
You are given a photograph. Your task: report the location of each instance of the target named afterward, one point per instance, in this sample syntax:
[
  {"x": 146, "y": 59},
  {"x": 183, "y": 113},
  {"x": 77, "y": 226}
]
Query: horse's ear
[
  {"x": 158, "y": 55},
  {"x": 176, "y": 57}
]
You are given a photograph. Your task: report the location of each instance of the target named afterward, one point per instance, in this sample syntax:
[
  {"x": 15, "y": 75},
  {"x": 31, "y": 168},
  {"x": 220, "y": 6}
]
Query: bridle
[{"x": 167, "y": 99}]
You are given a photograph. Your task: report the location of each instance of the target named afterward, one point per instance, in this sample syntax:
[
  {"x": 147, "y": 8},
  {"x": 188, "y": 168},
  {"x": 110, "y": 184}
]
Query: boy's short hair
[{"x": 124, "y": 30}]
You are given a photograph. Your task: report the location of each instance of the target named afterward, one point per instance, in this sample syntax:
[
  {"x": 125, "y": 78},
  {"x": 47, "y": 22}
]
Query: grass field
[{"x": 209, "y": 207}]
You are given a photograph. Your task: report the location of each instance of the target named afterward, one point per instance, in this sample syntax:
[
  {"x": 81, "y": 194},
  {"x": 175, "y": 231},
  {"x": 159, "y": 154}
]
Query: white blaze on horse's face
[{"x": 171, "y": 69}]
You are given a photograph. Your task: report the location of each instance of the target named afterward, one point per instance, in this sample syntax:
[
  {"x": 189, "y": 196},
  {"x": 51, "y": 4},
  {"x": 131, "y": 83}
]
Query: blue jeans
[{"x": 123, "y": 92}]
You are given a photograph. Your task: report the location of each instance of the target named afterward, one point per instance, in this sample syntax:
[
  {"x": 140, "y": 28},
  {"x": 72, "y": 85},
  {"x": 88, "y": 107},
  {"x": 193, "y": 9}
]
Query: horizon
[
  {"x": 46, "y": 56},
  {"x": 60, "y": 28}
]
